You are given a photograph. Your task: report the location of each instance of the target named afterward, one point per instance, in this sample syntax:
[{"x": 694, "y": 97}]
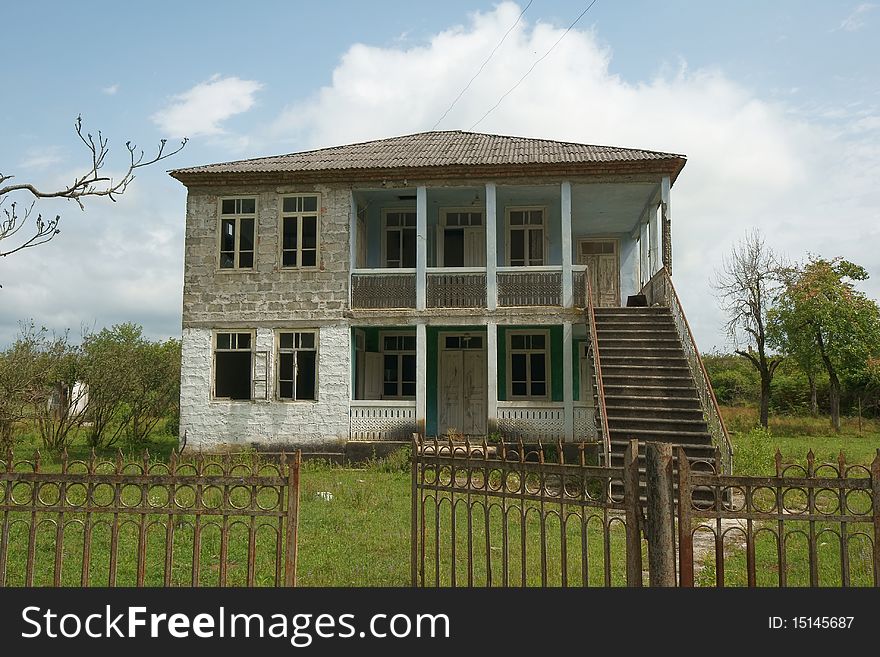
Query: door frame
[
  {"x": 441, "y": 233},
  {"x": 441, "y": 335}
]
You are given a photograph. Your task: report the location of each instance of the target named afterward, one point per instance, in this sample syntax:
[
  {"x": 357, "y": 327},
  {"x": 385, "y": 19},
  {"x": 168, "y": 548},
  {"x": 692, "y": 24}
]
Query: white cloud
[
  {"x": 202, "y": 109},
  {"x": 855, "y": 21},
  {"x": 41, "y": 158},
  {"x": 110, "y": 90},
  {"x": 804, "y": 179}
]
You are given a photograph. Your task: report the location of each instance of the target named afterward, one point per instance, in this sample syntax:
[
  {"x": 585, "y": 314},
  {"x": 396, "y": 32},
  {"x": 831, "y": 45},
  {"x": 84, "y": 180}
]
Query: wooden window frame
[
  {"x": 442, "y": 226},
  {"x": 279, "y": 350},
  {"x": 400, "y": 352},
  {"x": 282, "y": 215},
  {"x": 386, "y": 228},
  {"x": 547, "y": 365},
  {"x": 545, "y": 241},
  {"x": 214, "y": 350},
  {"x": 236, "y": 217}
]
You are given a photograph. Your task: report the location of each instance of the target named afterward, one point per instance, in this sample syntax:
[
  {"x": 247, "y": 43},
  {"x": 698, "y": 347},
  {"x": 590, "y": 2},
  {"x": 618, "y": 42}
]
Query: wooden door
[
  {"x": 603, "y": 263},
  {"x": 461, "y": 403}
]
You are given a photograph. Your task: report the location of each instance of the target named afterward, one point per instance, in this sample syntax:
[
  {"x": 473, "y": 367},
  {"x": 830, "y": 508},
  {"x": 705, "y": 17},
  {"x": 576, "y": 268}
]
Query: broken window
[
  {"x": 526, "y": 238},
  {"x": 297, "y": 365},
  {"x": 299, "y": 231},
  {"x": 528, "y": 365},
  {"x": 400, "y": 239},
  {"x": 237, "y": 238},
  {"x": 233, "y": 365},
  {"x": 399, "y": 366}
]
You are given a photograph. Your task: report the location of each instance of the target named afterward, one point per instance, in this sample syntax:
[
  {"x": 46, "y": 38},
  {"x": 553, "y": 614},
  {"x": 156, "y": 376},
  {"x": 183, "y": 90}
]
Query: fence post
[
  {"x": 659, "y": 524},
  {"x": 292, "y": 519},
  {"x": 633, "y": 515},
  {"x": 685, "y": 537},
  {"x": 414, "y": 511},
  {"x": 875, "y": 503}
]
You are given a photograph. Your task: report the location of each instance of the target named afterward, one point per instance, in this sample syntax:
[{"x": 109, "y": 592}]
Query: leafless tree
[
  {"x": 90, "y": 183},
  {"x": 746, "y": 285}
]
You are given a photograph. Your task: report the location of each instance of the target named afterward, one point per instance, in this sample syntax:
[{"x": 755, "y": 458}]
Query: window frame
[
  {"x": 547, "y": 365},
  {"x": 237, "y": 217},
  {"x": 545, "y": 241},
  {"x": 214, "y": 349},
  {"x": 442, "y": 225},
  {"x": 385, "y": 228},
  {"x": 294, "y": 350},
  {"x": 399, "y": 353},
  {"x": 282, "y": 215}
]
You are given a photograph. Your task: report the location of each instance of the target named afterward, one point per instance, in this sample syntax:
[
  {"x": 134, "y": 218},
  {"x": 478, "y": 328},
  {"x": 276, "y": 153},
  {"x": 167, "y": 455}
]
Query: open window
[
  {"x": 463, "y": 238},
  {"x": 298, "y": 365},
  {"x": 233, "y": 365}
]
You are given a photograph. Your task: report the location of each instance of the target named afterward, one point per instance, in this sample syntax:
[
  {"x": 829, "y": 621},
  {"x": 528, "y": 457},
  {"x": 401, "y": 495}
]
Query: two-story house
[{"x": 437, "y": 282}]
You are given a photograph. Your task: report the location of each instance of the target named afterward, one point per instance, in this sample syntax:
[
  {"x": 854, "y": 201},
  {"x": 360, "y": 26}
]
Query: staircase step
[
  {"x": 646, "y": 342},
  {"x": 646, "y": 411},
  {"x": 652, "y": 390},
  {"x": 618, "y": 447},
  {"x": 618, "y": 423},
  {"x": 616, "y": 360},
  {"x": 695, "y": 437},
  {"x": 641, "y": 351},
  {"x": 656, "y": 401},
  {"x": 657, "y": 369}
]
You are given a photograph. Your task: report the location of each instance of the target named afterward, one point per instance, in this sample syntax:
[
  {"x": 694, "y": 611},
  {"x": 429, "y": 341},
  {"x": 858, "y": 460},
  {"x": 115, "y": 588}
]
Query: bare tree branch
[{"x": 91, "y": 183}]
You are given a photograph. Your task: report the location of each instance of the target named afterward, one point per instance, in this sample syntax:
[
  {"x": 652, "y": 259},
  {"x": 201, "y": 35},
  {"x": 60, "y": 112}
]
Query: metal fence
[
  {"x": 810, "y": 525},
  {"x": 226, "y": 521},
  {"x": 514, "y": 515}
]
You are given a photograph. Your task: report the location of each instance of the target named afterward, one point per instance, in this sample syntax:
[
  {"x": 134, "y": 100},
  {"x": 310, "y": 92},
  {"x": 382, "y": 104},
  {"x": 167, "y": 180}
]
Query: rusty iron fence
[
  {"x": 810, "y": 525},
  {"x": 508, "y": 514},
  {"x": 222, "y": 521}
]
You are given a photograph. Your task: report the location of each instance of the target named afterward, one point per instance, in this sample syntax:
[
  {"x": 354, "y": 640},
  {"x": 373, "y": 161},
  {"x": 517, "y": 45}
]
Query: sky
[{"x": 776, "y": 105}]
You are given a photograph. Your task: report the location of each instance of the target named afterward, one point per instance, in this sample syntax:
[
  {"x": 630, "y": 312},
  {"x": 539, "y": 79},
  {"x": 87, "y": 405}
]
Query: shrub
[{"x": 753, "y": 453}]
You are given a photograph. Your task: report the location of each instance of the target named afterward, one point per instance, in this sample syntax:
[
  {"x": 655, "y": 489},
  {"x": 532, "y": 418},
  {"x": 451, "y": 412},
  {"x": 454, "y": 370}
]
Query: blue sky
[{"x": 776, "y": 104}]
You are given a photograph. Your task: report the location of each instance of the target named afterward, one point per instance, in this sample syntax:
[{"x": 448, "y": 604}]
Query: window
[
  {"x": 399, "y": 366},
  {"x": 233, "y": 354},
  {"x": 299, "y": 231},
  {"x": 525, "y": 241},
  {"x": 297, "y": 365},
  {"x": 528, "y": 365},
  {"x": 464, "y": 241},
  {"x": 400, "y": 239},
  {"x": 237, "y": 221}
]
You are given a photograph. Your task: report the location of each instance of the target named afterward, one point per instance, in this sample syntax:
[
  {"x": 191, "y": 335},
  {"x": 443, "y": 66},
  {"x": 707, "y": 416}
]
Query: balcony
[{"x": 462, "y": 287}]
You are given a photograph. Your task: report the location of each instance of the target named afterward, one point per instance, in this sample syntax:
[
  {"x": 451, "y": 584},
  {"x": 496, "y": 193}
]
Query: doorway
[
  {"x": 603, "y": 263},
  {"x": 462, "y": 399}
]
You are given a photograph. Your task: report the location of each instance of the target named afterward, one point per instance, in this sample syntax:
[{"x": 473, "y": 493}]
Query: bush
[{"x": 753, "y": 453}]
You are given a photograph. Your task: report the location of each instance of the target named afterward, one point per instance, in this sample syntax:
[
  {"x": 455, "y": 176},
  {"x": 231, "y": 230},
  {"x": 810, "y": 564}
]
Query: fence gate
[
  {"x": 221, "y": 521},
  {"x": 505, "y": 514},
  {"x": 805, "y": 526}
]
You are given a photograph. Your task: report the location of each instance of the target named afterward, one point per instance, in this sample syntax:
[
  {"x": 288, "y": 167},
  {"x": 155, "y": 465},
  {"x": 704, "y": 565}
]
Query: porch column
[
  {"x": 567, "y": 382},
  {"x": 491, "y": 249},
  {"x": 492, "y": 376},
  {"x": 644, "y": 273},
  {"x": 421, "y": 245},
  {"x": 666, "y": 218},
  {"x": 654, "y": 228},
  {"x": 567, "y": 296},
  {"x": 421, "y": 377},
  {"x": 352, "y": 243}
]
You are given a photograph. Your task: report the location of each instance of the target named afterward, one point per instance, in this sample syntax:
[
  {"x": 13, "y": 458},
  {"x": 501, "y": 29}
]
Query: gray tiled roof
[{"x": 438, "y": 149}]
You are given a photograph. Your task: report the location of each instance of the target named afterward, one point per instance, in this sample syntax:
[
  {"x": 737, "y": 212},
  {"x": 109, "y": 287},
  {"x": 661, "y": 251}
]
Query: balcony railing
[
  {"x": 579, "y": 286},
  {"x": 382, "y": 419},
  {"x": 456, "y": 287},
  {"x": 383, "y": 288},
  {"x": 529, "y": 286}
]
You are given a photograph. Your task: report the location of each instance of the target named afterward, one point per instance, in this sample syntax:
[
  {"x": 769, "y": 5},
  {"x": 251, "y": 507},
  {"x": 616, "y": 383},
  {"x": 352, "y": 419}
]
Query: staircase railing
[
  {"x": 601, "y": 412},
  {"x": 660, "y": 290}
]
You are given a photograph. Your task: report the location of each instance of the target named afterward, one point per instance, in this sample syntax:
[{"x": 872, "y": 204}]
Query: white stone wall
[{"x": 210, "y": 422}]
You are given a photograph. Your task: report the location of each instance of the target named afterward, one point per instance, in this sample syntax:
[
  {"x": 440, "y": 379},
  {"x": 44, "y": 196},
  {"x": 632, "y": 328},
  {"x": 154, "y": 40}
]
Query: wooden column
[
  {"x": 421, "y": 377},
  {"x": 666, "y": 221},
  {"x": 421, "y": 246},
  {"x": 491, "y": 248},
  {"x": 567, "y": 295},
  {"x": 660, "y": 522},
  {"x": 352, "y": 243},
  {"x": 492, "y": 376},
  {"x": 567, "y": 381}
]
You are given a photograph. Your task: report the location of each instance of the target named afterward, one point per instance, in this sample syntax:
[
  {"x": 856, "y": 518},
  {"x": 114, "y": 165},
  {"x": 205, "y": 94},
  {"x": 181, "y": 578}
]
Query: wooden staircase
[{"x": 650, "y": 392}]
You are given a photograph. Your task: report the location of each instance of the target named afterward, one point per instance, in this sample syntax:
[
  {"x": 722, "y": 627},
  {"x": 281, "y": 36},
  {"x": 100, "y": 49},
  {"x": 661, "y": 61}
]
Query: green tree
[{"x": 821, "y": 310}]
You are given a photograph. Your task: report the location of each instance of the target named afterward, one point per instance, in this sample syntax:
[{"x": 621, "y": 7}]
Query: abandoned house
[{"x": 452, "y": 283}]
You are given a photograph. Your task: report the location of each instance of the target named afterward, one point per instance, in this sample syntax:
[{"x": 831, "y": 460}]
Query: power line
[
  {"x": 482, "y": 66},
  {"x": 538, "y": 61}
]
